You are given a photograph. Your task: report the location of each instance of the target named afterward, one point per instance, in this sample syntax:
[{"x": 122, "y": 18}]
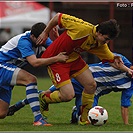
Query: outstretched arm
[
  {"x": 118, "y": 64},
  {"x": 36, "y": 62}
]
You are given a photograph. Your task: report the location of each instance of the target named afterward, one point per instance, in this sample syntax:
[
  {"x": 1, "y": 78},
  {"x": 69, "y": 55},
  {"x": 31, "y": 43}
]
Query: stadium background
[{"x": 96, "y": 12}]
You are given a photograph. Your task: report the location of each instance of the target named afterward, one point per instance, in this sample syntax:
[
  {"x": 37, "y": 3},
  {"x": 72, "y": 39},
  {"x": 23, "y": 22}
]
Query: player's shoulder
[{"x": 24, "y": 37}]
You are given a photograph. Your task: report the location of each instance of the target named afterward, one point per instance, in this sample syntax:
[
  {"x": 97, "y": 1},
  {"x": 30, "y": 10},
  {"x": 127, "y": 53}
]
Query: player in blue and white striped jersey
[
  {"x": 108, "y": 79},
  {"x": 21, "y": 46}
]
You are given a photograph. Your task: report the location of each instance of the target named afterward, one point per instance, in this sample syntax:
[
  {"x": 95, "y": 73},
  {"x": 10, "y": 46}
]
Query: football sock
[
  {"x": 78, "y": 103},
  {"x": 52, "y": 97},
  {"x": 21, "y": 103},
  {"x": 33, "y": 100},
  {"x": 87, "y": 102}
]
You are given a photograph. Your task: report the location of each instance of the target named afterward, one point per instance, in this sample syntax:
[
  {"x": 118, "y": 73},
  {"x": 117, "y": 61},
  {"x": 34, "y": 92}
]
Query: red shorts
[{"x": 60, "y": 73}]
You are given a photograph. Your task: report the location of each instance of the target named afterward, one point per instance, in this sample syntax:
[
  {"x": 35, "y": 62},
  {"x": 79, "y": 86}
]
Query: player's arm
[
  {"x": 44, "y": 35},
  {"x": 36, "y": 62},
  {"x": 118, "y": 64},
  {"x": 104, "y": 54}
]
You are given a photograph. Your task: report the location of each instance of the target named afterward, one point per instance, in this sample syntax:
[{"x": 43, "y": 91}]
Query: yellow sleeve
[
  {"x": 103, "y": 53},
  {"x": 76, "y": 28}
]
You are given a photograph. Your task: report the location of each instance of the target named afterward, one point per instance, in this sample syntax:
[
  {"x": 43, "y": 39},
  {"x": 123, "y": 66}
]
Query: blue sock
[
  {"x": 33, "y": 100},
  {"x": 19, "y": 104}
]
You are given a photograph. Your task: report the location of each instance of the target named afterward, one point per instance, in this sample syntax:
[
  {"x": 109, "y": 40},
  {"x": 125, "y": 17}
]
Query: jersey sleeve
[
  {"x": 25, "y": 48},
  {"x": 76, "y": 28},
  {"x": 53, "y": 88},
  {"x": 126, "y": 61},
  {"x": 103, "y": 53},
  {"x": 48, "y": 42}
]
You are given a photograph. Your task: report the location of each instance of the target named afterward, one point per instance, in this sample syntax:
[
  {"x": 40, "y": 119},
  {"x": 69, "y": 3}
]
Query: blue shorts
[
  {"x": 5, "y": 95},
  {"x": 126, "y": 97},
  {"x": 8, "y": 75}
]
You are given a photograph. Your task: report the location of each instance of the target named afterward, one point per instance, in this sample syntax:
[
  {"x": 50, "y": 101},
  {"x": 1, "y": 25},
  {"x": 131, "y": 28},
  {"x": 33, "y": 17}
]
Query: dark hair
[
  {"x": 37, "y": 29},
  {"x": 110, "y": 28}
]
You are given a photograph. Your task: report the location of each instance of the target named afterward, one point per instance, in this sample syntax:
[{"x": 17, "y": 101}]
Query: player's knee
[
  {"x": 67, "y": 98},
  {"x": 94, "y": 84},
  {"x": 93, "y": 87},
  {"x": 90, "y": 87},
  {"x": 4, "y": 107},
  {"x": 70, "y": 97},
  {"x": 31, "y": 79},
  {"x": 3, "y": 114}
]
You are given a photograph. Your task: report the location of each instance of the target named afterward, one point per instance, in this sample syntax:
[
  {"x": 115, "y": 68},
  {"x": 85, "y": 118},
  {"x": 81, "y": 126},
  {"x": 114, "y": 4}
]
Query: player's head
[
  {"x": 36, "y": 30},
  {"x": 108, "y": 30}
]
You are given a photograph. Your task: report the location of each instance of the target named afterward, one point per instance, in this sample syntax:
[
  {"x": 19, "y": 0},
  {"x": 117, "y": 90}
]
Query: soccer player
[
  {"x": 78, "y": 36},
  {"x": 21, "y": 46},
  {"x": 108, "y": 79}
]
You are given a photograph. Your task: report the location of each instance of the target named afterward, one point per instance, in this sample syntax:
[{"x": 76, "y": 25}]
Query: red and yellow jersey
[
  {"x": 78, "y": 37},
  {"x": 76, "y": 28}
]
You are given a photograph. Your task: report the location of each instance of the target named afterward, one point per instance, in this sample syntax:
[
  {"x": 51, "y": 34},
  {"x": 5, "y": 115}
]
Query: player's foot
[
  {"x": 14, "y": 108},
  {"x": 41, "y": 122},
  {"x": 80, "y": 122},
  {"x": 84, "y": 123},
  {"x": 74, "y": 116},
  {"x": 43, "y": 106}
]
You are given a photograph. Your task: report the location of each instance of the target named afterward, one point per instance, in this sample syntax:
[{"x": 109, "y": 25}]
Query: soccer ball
[{"x": 98, "y": 116}]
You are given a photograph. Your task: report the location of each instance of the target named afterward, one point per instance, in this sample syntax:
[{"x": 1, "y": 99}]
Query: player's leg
[
  {"x": 100, "y": 91},
  {"x": 87, "y": 81},
  {"x": 30, "y": 81},
  {"x": 76, "y": 110},
  {"x": 126, "y": 103},
  {"x": 60, "y": 75},
  {"x": 5, "y": 97},
  {"x": 6, "y": 72},
  {"x": 17, "y": 106},
  {"x": 3, "y": 109},
  {"x": 64, "y": 94}
]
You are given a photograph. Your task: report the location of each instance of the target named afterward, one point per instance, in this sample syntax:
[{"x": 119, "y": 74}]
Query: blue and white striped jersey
[
  {"x": 20, "y": 47},
  {"x": 107, "y": 76}
]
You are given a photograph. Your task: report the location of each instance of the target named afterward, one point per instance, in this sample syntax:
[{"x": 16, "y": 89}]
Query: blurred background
[{"x": 19, "y": 16}]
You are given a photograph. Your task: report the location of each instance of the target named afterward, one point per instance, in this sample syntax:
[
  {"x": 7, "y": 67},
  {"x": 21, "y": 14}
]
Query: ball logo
[{"x": 96, "y": 114}]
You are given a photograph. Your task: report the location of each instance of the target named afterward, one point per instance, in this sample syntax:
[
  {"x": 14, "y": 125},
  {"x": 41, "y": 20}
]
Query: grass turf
[{"x": 60, "y": 114}]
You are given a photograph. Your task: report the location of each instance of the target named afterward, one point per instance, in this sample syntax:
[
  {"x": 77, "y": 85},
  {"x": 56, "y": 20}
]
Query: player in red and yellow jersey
[{"x": 78, "y": 36}]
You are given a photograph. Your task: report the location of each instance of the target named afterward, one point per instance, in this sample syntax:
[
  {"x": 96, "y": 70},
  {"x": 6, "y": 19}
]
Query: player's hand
[
  {"x": 118, "y": 61},
  {"x": 46, "y": 92},
  {"x": 62, "y": 57},
  {"x": 42, "y": 38},
  {"x": 55, "y": 32},
  {"x": 130, "y": 73}
]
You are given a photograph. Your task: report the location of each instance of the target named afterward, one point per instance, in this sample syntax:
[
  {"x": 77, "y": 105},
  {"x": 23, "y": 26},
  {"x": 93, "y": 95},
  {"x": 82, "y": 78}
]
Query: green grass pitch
[{"x": 60, "y": 114}]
